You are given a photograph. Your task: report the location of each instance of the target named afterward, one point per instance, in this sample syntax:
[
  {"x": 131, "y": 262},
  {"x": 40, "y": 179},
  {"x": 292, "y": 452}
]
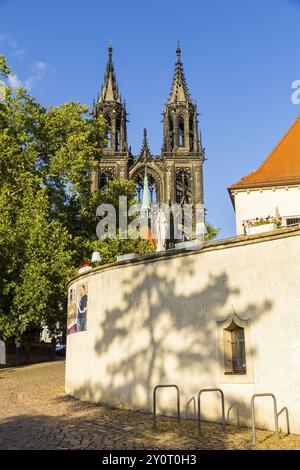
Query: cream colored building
[
  {"x": 274, "y": 188},
  {"x": 226, "y": 316}
]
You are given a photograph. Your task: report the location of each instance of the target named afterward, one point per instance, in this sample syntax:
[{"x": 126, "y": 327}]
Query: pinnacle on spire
[
  {"x": 145, "y": 146},
  {"x": 145, "y": 154},
  {"x": 109, "y": 91},
  {"x": 178, "y": 51},
  {"x": 110, "y": 49},
  {"x": 179, "y": 91}
]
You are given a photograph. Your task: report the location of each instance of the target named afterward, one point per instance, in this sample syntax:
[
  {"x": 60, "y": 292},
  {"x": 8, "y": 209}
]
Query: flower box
[
  {"x": 84, "y": 269},
  {"x": 259, "y": 229}
]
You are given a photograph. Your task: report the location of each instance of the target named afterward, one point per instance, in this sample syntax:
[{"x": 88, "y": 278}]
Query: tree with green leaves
[
  {"x": 47, "y": 211},
  {"x": 212, "y": 231}
]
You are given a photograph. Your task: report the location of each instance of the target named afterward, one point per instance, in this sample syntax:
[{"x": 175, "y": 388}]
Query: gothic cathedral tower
[
  {"x": 176, "y": 175},
  {"x": 114, "y": 162},
  {"x": 182, "y": 148}
]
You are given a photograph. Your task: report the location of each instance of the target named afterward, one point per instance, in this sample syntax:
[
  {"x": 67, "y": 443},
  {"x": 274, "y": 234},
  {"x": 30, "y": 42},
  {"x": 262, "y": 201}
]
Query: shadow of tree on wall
[{"x": 158, "y": 303}]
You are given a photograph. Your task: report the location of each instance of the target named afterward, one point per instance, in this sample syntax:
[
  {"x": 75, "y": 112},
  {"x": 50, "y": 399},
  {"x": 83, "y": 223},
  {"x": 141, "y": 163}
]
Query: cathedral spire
[
  {"x": 145, "y": 147},
  {"x": 179, "y": 91},
  {"x": 145, "y": 153},
  {"x": 109, "y": 91},
  {"x": 109, "y": 105}
]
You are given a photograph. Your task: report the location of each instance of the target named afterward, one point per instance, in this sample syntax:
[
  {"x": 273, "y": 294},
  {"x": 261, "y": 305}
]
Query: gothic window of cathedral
[
  {"x": 181, "y": 132},
  {"x": 171, "y": 130},
  {"x": 191, "y": 133},
  {"x": 105, "y": 177},
  {"x": 109, "y": 133},
  {"x": 118, "y": 133},
  {"x": 139, "y": 185},
  {"x": 183, "y": 187}
]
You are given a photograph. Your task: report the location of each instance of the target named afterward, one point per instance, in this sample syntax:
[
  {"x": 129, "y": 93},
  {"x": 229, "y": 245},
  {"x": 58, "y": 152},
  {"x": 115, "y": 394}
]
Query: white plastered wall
[
  {"x": 253, "y": 203},
  {"x": 155, "y": 322}
]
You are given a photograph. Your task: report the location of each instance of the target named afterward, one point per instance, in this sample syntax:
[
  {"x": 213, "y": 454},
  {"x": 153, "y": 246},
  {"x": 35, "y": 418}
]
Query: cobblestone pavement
[{"x": 35, "y": 413}]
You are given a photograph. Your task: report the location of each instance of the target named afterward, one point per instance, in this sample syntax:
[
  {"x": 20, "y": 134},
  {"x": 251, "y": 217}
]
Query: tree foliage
[
  {"x": 212, "y": 231},
  {"x": 47, "y": 211}
]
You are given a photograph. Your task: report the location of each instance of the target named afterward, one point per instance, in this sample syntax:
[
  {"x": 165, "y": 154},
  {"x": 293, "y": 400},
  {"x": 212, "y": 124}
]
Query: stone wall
[{"x": 159, "y": 319}]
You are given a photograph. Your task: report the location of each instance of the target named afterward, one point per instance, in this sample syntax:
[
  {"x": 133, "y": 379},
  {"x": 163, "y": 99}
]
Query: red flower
[{"x": 84, "y": 263}]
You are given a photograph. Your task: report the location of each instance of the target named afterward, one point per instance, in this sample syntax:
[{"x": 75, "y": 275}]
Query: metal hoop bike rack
[
  {"x": 253, "y": 414},
  {"x": 191, "y": 400},
  {"x": 236, "y": 404},
  {"x": 154, "y": 401},
  {"x": 287, "y": 419},
  {"x": 205, "y": 390}
]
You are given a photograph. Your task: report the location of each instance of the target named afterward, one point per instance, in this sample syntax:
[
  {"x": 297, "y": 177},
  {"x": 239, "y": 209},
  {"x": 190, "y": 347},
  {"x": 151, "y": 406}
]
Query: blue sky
[{"x": 240, "y": 59}]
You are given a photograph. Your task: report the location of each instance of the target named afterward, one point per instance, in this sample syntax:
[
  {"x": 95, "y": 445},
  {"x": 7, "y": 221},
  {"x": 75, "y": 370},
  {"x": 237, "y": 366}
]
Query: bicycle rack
[
  {"x": 253, "y": 414},
  {"x": 287, "y": 418},
  {"x": 193, "y": 399},
  {"x": 154, "y": 401},
  {"x": 204, "y": 390},
  {"x": 237, "y": 413}
]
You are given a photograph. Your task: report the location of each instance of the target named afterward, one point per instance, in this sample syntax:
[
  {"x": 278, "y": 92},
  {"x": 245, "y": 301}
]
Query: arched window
[
  {"x": 191, "y": 133},
  {"x": 118, "y": 134},
  {"x": 234, "y": 349},
  {"x": 139, "y": 185},
  {"x": 109, "y": 139},
  {"x": 108, "y": 133},
  {"x": 183, "y": 187},
  {"x": 180, "y": 132},
  {"x": 105, "y": 177},
  {"x": 171, "y": 134}
]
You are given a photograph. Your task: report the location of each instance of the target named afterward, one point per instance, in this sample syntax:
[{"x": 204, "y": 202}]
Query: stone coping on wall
[{"x": 221, "y": 244}]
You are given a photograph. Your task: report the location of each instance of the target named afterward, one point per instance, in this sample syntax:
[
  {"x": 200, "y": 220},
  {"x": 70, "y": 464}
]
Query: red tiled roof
[{"x": 282, "y": 166}]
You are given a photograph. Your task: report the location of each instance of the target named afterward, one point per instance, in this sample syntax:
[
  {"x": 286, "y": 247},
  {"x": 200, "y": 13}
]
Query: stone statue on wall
[{"x": 161, "y": 230}]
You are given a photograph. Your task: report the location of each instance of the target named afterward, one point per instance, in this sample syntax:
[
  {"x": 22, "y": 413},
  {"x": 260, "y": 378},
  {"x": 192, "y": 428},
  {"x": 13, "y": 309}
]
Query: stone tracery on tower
[{"x": 176, "y": 175}]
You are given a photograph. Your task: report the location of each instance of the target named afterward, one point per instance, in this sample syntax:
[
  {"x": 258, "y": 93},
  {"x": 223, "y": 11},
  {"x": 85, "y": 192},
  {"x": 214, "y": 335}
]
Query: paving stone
[{"x": 35, "y": 413}]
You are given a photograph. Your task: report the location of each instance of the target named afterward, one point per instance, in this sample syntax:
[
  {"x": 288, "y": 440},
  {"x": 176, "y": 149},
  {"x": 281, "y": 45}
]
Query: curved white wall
[{"x": 154, "y": 321}]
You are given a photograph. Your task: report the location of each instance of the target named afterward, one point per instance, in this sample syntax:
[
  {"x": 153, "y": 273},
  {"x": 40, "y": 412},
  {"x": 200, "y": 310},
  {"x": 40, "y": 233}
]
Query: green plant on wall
[{"x": 212, "y": 232}]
